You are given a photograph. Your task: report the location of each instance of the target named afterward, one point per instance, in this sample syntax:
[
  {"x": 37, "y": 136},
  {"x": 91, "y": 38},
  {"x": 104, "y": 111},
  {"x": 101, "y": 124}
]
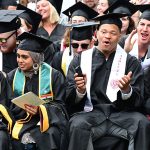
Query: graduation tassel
[{"x": 70, "y": 29}]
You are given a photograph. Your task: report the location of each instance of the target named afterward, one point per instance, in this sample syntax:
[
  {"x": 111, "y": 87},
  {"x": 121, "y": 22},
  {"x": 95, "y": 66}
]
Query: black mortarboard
[
  {"x": 111, "y": 18},
  {"x": 57, "y": 4},
  {"x": 5, "y": 3},
  {"x": 145, "y": 9},
  {"x": 31, "y": 42},
  {"x": 110, "y": 2},
  {"x": 30, "y": 16},
  {"x": 80, "y": 9},
  {"x": 9, "y": 20},
  {"x": 81, "y": 31},
  {"x": 122, "y": 6}
]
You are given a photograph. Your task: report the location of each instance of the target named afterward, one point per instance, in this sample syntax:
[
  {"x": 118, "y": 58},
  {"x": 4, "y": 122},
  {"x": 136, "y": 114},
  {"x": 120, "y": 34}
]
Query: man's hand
[
  {"x": 124, "y": 83},
  {"x": 80, "y": 83},
  {"x": 33, "y": 110},
  {"x": 129, "y": 42}
]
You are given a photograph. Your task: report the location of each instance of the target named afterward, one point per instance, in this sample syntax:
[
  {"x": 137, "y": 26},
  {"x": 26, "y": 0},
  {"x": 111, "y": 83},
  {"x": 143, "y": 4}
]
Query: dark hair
[{"x": 131, "y": 25}]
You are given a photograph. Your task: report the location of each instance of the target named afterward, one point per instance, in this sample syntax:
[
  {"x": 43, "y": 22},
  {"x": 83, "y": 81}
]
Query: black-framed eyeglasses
[
  {"x": 4, "y": 40},
  {"x": 83, "y": 45}
]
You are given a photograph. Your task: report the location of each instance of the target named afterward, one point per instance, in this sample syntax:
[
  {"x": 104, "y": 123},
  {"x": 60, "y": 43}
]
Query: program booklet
[{"x": 28, "y": 98}]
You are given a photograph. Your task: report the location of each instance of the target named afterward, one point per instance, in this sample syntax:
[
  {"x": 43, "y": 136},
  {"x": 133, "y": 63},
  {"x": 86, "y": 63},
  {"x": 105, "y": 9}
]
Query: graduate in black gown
[
  {"x": 50, "y": 27},
  {"x": 30, "y": 20},
  {"x": 43, "y": 127},
  {"x": 105, "y": 100},
  {"x": 9, "y": 24},
  {"x": 6, "y": 118},
  {"x": 80, "y": 40}
]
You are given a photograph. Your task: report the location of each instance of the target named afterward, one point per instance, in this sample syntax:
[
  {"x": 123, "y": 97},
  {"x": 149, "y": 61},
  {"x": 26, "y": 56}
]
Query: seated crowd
[{"x": 91, "y": 72}]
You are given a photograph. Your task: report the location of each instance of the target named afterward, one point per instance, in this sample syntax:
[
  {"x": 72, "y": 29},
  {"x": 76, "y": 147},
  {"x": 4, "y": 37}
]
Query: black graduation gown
[
  {"x": 56, "y": 37},
  {"x": 119, "y": 115},
  {"x": 55, "y": 136},
  {"x": 146, "y": 108},
  {"x": 9, "y": 61},
  {"x": 56, "y": 62},
  {"x": 5, "y": 100}
]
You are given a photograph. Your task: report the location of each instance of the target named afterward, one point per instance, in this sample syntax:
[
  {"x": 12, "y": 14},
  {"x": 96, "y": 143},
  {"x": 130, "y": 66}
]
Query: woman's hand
[{"x": 32, "y": 110}]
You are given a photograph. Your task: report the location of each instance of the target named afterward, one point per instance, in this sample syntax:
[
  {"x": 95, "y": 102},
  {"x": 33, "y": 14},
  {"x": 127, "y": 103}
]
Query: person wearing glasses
[
  {"x": 77, "y": 14},
  {"x": 81, "y": 40},
  {"x": 9, "y": 24},
  {"x": 105, "y": 101}
]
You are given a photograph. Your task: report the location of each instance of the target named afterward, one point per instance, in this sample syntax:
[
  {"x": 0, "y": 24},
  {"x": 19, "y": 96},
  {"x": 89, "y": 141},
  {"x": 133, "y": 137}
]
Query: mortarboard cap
[
  {"x": 30, "y": 16},
  {"x": 80, "y": 9},
  {"x": 5, "y": 3},
  {"x": 111, "y": 18},
  {"x": 145, "y": 9},
  {"x": 31, "y": 42},
  {"x": 57, "y": 4},
  {"x": 110, "y": 2},
  {"x": 81, "y": 31},
  {"x": 122, "y": 6},
  {"x": 9, "y": 20}
]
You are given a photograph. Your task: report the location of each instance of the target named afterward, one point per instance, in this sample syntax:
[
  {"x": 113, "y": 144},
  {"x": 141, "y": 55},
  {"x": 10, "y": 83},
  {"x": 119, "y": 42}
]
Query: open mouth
[
  {"x": 144, "y": 35},
  {"x": 106, "y": 43}
]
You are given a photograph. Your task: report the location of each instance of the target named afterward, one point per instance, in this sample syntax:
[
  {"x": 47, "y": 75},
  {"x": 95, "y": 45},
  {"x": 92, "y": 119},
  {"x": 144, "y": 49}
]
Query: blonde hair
[{"x": 54, "y": 16}]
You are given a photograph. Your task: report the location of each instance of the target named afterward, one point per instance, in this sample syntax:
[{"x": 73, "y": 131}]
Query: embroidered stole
[
  {"x": 45, "y": 93},
  {"x": 117, "y": 71},
  {"x": 45, "y": 86},
  {"x": 66, "y": 59}
]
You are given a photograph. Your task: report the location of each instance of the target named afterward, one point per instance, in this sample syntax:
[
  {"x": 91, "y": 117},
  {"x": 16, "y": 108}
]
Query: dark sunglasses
[
  {"x": 83, "y": 45},
  {"x": 4, "y": 40}
]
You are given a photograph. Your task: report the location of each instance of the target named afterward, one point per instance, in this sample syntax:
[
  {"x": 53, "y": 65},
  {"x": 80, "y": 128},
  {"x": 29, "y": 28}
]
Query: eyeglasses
[
  {"x": 83, "y": 45},
  {"x": 4, "y": 40}
]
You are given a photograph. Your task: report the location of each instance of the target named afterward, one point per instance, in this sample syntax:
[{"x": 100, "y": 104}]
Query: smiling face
[
  {"x": 7, "y": 41},
  {"x": 43, "y": 8},
  {"x": 108, "y": 36},
  {"x": 143, "y": 30}
]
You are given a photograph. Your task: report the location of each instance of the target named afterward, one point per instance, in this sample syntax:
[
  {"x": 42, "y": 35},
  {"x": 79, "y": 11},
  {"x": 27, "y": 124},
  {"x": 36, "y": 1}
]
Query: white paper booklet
[{"x": 28, "y": 98}]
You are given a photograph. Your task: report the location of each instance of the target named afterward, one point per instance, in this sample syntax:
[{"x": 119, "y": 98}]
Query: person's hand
[
  {"x": 80, "y": 83},
  {"x": 33, "y": 110},
  {"x": 129, "y": 42},
  {"x": 124, "y": 83},
  {"x": 141, "y": 2}
]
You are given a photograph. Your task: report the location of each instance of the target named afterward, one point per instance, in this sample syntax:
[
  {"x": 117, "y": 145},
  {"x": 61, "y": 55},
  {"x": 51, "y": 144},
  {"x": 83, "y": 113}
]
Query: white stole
[
  {"x": 1, "y": 61},
  {"x": 86, "y": 66},
  {"x": 134, "y": 52},
  {"x": 117, "y": 71}
]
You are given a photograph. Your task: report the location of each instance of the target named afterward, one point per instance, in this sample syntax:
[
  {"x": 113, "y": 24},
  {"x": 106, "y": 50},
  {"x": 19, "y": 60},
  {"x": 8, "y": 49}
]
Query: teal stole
[{"x": 45, "y": 82}]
